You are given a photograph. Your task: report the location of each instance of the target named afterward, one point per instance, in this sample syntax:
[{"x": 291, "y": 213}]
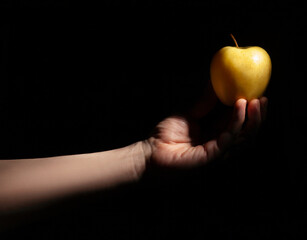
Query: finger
[
  {"x": 263, "y": 107},
  {"x": 254, "y": 119},
  {"x": 235, "y": 126},
  {"x": 212, "y": 150},
  {"x": 216, "y": 147},
  {"x": 254, "y": 114},
  {"x": 238, "y": 116}
]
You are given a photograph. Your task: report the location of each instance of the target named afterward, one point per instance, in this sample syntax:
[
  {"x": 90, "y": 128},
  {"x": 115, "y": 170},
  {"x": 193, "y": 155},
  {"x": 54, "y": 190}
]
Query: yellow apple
[{"x": 240, "y": 72}]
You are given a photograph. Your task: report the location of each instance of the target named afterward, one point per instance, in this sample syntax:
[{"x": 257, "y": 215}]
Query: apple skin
[{"x": 240, "y": 72}]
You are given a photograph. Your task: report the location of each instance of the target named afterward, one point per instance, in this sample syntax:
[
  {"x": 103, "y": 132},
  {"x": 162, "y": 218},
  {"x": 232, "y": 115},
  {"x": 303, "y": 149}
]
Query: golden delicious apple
[{"x": 240, "y": 72}]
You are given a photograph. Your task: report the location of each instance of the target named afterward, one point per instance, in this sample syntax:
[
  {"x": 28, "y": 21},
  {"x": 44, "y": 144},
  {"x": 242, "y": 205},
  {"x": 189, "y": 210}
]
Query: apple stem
[{"x": 233, "y": 38}]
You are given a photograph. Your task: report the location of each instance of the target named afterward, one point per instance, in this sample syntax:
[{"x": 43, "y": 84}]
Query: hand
[{"x": 175, "y": 142}]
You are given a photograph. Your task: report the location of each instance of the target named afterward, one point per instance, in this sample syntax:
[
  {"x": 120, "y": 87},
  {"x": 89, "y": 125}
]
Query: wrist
[
  {"x": 147, "y": 150},
  {"x": 141, "y": 154}
]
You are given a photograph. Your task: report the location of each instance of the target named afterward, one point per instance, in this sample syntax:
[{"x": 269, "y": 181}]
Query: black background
[{"x": 92, "y": 78}]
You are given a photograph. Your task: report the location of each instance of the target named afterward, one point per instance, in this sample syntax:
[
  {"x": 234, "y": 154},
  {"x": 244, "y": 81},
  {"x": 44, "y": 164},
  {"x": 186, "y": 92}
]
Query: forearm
[{"x": 28, "y": 182}]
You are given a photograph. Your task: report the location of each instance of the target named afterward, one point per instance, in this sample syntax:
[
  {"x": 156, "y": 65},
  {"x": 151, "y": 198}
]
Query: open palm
[{"x": 174, "y": 143}]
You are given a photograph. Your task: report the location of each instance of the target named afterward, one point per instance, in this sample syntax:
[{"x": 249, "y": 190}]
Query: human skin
[{"x": 27, "y": 183}]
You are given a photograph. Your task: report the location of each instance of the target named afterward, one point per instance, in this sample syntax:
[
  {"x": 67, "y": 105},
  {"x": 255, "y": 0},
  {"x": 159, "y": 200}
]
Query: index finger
[{"x": 216, "y": 147}]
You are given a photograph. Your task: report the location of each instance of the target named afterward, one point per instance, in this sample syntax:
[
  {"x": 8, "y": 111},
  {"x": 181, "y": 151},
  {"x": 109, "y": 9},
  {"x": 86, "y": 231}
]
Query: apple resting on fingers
[{"x": 240, "y": 72}]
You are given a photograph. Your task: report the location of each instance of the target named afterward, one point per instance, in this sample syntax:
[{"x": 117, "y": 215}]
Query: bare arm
[
  {"x": 28, "y": 182},
  {"x": 31, "y": 182}
]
